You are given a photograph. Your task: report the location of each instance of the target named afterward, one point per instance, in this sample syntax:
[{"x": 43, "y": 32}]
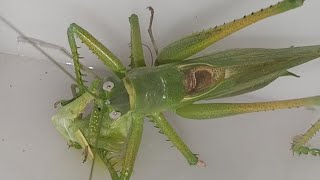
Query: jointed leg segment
[
  {"x": 300, "y": 141},
  {"x": 216, "y": 110},
  {"x": 103, "y": 53},
  {"x": 132, "y": 147},
  {"x": 190, "y": 45},
  {"x": 160, "y": 121},
  {"x": 137, "y": 56}
]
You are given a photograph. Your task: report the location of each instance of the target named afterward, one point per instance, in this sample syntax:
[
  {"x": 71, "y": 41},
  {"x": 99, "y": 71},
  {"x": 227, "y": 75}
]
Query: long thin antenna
[
  {"x": 150, "y": 30},
  {"x": 41, "y": 43},
  {"x": 37, "y": 47},
  {"x": 63, "y": 50}
]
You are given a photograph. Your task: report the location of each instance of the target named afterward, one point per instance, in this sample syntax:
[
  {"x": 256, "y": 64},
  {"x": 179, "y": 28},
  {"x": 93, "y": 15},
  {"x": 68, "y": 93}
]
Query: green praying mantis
[{"x": 112, "y": 130}]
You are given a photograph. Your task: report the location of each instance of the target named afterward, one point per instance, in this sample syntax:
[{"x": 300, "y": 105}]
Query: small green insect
[{"x": 112, "y": 130}]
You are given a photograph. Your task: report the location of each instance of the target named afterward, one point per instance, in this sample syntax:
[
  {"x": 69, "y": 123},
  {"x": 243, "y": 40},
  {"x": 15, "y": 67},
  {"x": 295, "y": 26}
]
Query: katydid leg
[
  {"x": 95, "y": 125},
  {"x": 134, "y": 140},
  {"x": 67, "y": 114},
  {"x": 160, "y": 121},
  {"x": 137, "y": 57},
  {"x": 192, "y": 44},
  {"x": 74, "y": 95},
  {"x": 300, "y": 141},
  {"x": 103, "y": 53},
  {"x": 216, "y": 110},
  {"x": 103, "y": 154}
]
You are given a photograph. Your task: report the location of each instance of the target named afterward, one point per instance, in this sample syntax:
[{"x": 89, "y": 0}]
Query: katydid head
[{"x": 117, "y": 96}]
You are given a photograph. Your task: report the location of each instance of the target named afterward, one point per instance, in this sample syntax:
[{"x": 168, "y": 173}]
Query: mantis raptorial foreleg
[
  {"x": 216, "y": 110},
  {"x": 160, "y": 121},
  {"x": 190, "y": 45}
]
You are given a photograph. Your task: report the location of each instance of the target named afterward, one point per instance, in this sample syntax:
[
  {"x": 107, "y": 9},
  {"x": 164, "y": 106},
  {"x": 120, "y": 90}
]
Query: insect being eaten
[{"x": 113, "y": 129}]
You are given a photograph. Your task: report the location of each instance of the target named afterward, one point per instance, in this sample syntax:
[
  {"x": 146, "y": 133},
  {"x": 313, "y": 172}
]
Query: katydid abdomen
[{"x": 167, "y": 87}]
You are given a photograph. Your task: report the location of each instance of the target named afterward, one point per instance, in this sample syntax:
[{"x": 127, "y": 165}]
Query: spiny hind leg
[
  {"x": 217, "y": 110},
  {"x": 196, "y": 42}
]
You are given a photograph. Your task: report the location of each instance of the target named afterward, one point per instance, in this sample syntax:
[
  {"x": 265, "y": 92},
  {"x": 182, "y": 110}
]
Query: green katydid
[{"x": 113, "y": 130}]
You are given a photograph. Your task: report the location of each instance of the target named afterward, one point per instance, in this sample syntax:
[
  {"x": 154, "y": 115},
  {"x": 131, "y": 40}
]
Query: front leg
[
  {"x": 67, "y": 115},
  {"x": 103, "y": 53}
]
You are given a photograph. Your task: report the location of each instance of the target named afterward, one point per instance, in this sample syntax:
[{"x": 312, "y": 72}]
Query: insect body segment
[{"x": 158, "y": 93}]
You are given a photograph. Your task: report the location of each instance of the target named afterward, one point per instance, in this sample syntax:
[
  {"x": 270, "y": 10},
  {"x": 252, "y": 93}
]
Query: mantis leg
[
  {"x": 192, "y": 44},
  {"x": 103, "y": 53},
  {"x": 137, "y": 58},
  {"x": 160, "y": 121},
  {"x": 216, "y": 110}
]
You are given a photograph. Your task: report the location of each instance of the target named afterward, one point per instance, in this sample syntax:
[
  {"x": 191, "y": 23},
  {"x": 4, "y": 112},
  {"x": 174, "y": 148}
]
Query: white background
[{"x": 254, "y": 146}]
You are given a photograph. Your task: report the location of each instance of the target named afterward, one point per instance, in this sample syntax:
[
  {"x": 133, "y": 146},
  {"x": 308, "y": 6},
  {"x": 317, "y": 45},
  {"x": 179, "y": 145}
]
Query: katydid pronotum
[{"x": 216, "y": 75}]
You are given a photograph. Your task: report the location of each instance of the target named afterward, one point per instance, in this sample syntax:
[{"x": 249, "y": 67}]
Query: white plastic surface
[{"x": 251, "y": 147}]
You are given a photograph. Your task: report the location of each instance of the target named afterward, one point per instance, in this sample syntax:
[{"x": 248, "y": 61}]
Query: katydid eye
[
  {"x": 114, "y": 115},
  {"x": 107, "y": 86}
]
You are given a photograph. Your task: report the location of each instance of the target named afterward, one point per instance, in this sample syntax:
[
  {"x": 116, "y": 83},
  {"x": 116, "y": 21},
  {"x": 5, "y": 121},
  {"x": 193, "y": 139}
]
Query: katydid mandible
[{"x": 113, "y": 129}]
